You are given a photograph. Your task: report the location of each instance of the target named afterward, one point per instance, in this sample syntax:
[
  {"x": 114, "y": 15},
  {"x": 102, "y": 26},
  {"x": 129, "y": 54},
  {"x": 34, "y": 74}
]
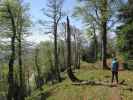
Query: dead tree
[{"x": 69, "y": 69}]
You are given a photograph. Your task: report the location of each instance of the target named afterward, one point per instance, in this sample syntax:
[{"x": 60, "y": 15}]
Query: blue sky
[
  {"x": 36, "y": 14},
  {"x": 36, "y": 5}
]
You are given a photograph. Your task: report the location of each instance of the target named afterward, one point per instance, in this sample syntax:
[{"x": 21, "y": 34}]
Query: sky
[{"x": 36, "y": 14}]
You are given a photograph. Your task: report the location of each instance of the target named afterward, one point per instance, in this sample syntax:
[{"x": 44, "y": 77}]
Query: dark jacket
[{"x": 115, "y": 65}]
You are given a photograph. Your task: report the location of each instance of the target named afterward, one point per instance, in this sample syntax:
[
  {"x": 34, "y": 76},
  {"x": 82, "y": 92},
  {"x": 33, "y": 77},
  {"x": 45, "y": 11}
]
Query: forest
[{"x": 66, "y": 50}]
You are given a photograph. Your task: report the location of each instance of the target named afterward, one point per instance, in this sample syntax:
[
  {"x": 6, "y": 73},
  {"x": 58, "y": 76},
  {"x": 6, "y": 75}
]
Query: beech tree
[
  {"x": 98, "y": 13},
  {"x": 13, "y": 19},
  {"x": 54, "y": 13}
]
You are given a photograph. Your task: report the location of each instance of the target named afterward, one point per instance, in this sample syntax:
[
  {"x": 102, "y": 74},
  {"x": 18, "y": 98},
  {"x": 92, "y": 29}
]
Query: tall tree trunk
[
  {"x": 39, "y": 79},
  {"x": 10, "y": 95},
  {"x": 56, "y": 53},
  {"x": 21, "y": 94},
  {"x": 10, "y": 73},
  {"x": 104, "y": 19},
  {"x": 75, "y": 52},
  {"x": 104, "y": 47},
  {"x": 19, "y": 38},
  {"x": 36, "y": 61},
  {"x": 78, "y": 56},
  {"x": 28, "y": 81},
  {"x": 69, "y": 70},
  {"x": 96, "y": 49},
  {"x": 95, "y": 42}
]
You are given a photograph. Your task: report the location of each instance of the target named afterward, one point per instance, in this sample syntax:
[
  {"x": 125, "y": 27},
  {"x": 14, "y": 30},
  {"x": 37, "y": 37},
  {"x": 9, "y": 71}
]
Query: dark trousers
[{"x": 114, "y": 74}]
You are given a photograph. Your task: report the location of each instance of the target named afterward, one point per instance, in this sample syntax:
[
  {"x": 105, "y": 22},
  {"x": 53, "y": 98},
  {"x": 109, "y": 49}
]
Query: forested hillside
[{"x": 66, "y": 50}]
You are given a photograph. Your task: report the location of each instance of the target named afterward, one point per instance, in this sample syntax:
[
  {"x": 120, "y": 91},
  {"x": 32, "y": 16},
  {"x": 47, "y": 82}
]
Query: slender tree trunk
[
  {"x": 69, "y": 70},
  {"x": 96, "y": 43},
  {"x": 10, "y": 73},
  {"x": 10, "y": 95},
  {"x": 96, "y": 47},
  {"x": 39, "y": 79},
  {"x": 75, "y": 51},
  {"x": 104, "y": 19},
  {"x": 19, "y": 38},
  {"x": 56, "y": 53},
  {"x": 29, "y": 88},
  {"x": 78, "y": 56},
  {"x": 104, "y": 47},
  {"x": 36, "y": 62},
  {"x": 20, "y": 68},
  {"x": 64, "y": 56}
]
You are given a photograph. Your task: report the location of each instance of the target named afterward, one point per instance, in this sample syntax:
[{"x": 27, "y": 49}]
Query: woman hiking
[{"x": 115, "y": 66}]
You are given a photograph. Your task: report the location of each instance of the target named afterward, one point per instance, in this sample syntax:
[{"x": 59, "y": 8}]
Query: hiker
[{"x": 115, "y": 65}]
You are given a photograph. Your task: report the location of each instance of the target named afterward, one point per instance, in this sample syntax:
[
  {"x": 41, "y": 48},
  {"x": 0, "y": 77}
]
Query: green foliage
[
  {"x": 18, "y": 11},
  {"x": 120, "y": 41},
  {"x": 128, "y": 27},
  {"x": 125, "y": 56},
  {"x": 124, "y": 36},
  {"x": 3, "y": 79},
  {"x": 66, "y": 91},
  {"x": 125, "y": 60},
  {"x": 46, "y": 57}
]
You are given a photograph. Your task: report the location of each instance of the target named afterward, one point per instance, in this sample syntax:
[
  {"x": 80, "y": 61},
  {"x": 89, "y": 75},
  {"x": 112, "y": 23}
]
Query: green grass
[{"x": 66, "y": 91}]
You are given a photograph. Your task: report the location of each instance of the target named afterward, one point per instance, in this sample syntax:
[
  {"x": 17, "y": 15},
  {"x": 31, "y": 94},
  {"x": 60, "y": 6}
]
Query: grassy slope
[{"x": 67, "y": 91}]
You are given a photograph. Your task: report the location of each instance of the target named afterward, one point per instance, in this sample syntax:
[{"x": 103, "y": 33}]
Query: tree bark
[
  {"x": 11, "y": 70},
  {"x": 56, "y": 53},
  {"x": 104, "y": 47},
  {"x": 96, "y": 42},
  {"x": 104, "y": 19},
  {"x": 75, "y": 51},
  {"x": 10, "y": 94},
  {"x": 78, "y": 49},
  {"x": 20, "y": 68},
  {"x": 39, "y": 79},
  {"x": 69, "y": 70},
  {"x": 96, "y": 49},
  {"x": 28, "y": 81}
]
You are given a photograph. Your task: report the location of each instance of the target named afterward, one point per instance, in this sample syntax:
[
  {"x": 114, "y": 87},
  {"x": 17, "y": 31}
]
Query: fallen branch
[{"x": 93, "y": 82}]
